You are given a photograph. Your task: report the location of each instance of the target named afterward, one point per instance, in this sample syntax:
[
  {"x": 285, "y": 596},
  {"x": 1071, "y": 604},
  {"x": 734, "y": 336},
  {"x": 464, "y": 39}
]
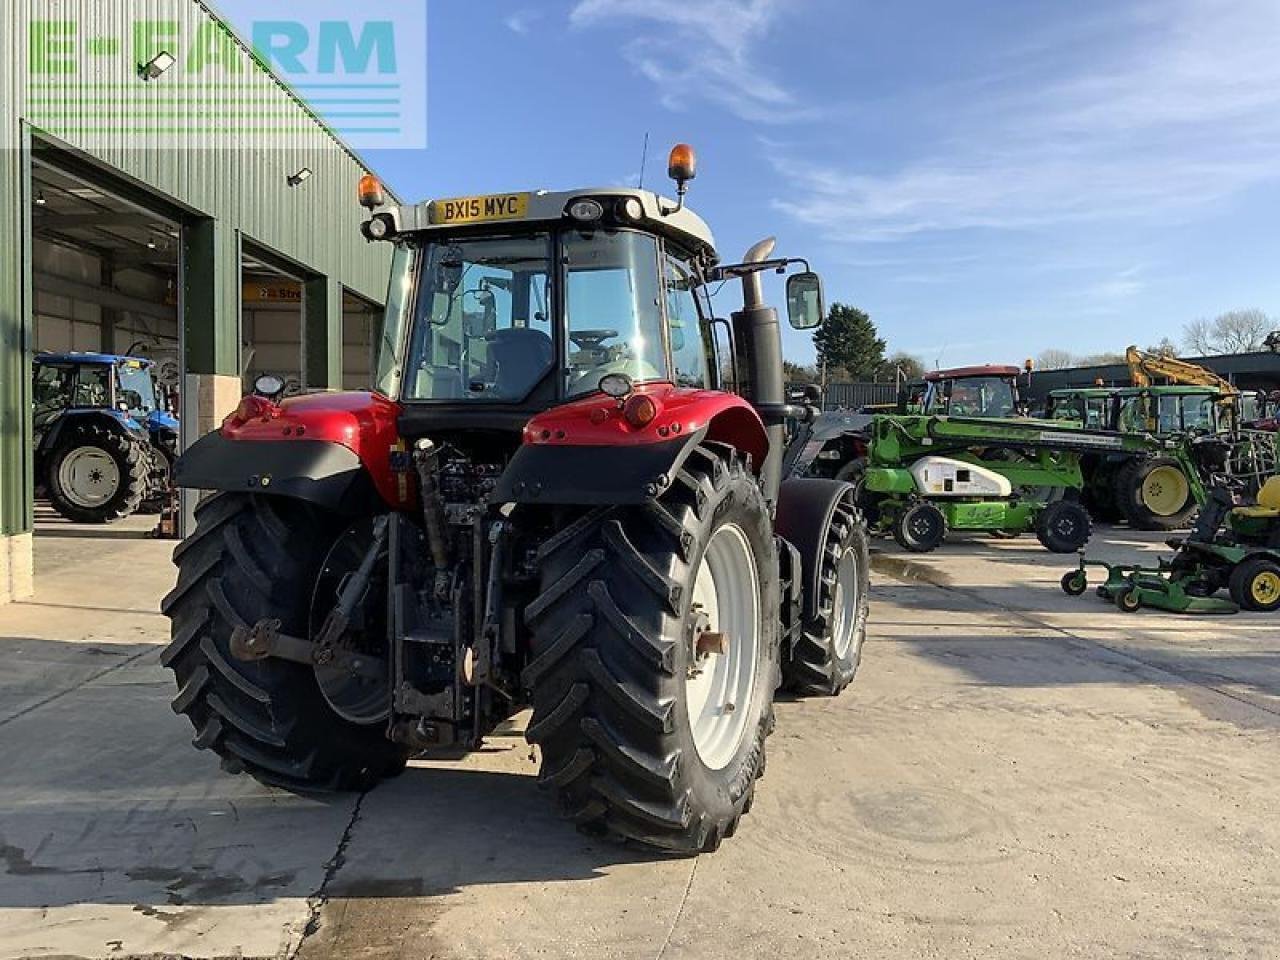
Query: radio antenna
[{"x": 644, "y": 159}]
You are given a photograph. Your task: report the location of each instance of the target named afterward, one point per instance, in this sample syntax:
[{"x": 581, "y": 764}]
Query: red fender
[
  {"x": 364, "y": 423},
  {"x": 598, "y": 421}
]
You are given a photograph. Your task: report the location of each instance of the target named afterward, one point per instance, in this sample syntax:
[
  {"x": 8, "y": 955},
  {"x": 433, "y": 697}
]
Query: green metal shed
[{"x": 214, "y": 150}]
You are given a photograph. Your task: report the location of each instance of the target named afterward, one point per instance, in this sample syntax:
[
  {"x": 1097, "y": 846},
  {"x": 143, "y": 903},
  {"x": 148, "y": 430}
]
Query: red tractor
[{"x": 550, "y": 499}]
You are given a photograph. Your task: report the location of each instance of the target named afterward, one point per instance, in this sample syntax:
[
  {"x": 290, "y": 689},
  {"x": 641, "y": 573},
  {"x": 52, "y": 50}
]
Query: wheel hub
[
  {"x": 1266, "y": 587},
  {"x": 844, "y": 603},
  {"x": 1165, "y": 491},
  {"x": 724, "y": 637},
  {"x": 355, "y": 697},
  {"x": 88, "y": 477}
]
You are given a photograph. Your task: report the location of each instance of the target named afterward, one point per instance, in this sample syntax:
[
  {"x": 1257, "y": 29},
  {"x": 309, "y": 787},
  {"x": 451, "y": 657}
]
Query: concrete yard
[{"x": 1014, "y": 774}]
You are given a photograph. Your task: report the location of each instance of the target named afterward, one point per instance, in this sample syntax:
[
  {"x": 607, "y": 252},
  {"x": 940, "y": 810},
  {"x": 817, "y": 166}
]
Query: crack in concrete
[
  {"x": 675, "y": 922},
  {"x": 317, "y": 901},
  {"x": 31, "y": 708}
]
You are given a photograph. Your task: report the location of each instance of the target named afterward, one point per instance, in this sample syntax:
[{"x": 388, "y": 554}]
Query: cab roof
[
  {"x": 1177, "y": 390},
  {"x": 101, "y": 358},
  {"x": 552, "y": 207},
  {"x": 961, "y": 373}
]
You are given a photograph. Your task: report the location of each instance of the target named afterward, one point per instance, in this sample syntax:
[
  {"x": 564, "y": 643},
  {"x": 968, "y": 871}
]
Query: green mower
[{"x": 1232, "y": 547}]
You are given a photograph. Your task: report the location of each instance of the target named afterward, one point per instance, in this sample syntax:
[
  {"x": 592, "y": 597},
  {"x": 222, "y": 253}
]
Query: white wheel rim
[
  {"x": 720, "y": 688},
  {"x": 88, "y": 477},
  {"x": 844, "y": 604}
]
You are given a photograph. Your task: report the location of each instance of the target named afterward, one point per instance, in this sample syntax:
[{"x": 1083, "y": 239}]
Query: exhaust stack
[{"x": 758, "y": 340}]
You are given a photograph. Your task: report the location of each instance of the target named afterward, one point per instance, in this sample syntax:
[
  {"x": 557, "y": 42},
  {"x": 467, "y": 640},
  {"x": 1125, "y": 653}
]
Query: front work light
[
  {"x": 616, "y": 385},
  {"x": 631, "y": 209},
  {"x": 586, "y": 211}
]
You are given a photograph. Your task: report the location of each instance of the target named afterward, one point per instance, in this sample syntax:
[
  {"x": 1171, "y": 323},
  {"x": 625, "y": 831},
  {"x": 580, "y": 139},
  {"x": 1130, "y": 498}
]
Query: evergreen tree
[{"x": 848, "y": 340}]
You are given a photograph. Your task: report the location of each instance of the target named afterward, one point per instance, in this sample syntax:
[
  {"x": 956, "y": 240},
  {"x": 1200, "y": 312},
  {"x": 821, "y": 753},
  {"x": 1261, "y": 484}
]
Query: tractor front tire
[
  {"x": 1063, "y": 526},
  {"x": 252, "y": 558},
  {"x": 642, "y": 735},
  {"x": 1154, "y": 494},
  {"x": 97, "y": 475},
  {"x": 826, "y": 657}
]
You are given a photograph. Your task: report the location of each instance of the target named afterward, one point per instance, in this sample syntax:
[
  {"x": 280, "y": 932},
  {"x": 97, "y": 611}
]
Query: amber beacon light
[{"x": 372, "y": 195}]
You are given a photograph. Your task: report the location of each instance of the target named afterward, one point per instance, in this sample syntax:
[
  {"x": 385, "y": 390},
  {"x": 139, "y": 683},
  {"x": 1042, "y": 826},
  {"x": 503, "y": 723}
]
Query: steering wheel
[{"x": 591, "y": 339}]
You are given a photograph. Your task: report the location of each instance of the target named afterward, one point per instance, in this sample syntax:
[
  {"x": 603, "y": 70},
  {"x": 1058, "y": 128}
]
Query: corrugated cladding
[
  {"x": 316, "y": 223},
  {"x": 242, "y": 184}
]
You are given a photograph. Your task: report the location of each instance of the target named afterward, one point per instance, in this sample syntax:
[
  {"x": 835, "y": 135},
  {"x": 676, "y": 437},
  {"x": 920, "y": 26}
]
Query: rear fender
[
  {"x": 73, "y": 420},
  {"x": 331, "y": 449},
  {"x": 805, "y": 509},
  {"x": 586, "y": 453}
]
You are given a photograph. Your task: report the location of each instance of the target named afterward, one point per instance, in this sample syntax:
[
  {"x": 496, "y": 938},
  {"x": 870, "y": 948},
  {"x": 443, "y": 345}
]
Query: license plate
[{"x": 499, "y": 206}]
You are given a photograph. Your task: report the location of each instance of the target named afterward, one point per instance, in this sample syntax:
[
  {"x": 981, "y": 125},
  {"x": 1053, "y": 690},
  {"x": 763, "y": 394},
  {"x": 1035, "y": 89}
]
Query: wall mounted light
[
  {"x": 157, "y": 65},
  {"x": 302, "y": 176}
]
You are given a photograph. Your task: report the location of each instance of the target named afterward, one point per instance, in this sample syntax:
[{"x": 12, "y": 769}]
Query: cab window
[
  {"x": 482, "y": 331},
  {"x": 52, "y": 390},
  {"x": 93, "y": 386},
  {"x": 688, "y": 349},
  {"x": 614, "y": 309}
]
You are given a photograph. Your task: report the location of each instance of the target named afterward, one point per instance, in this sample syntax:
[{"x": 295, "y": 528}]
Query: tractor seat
[
  {"x": 1268, "y": 506},
  {"x": 522, "y": 356}
]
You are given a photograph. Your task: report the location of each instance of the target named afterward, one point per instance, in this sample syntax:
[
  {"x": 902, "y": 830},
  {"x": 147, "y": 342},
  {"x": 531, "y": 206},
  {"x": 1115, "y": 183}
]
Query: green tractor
[
  {"x": 1149, "y": 489},
  {"x": 1236, "y": 548}
]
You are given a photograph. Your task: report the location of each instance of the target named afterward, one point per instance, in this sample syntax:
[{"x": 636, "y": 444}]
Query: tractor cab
[
  {"x": 124, "y": 386},
  {"x": 985, "y": 391}
]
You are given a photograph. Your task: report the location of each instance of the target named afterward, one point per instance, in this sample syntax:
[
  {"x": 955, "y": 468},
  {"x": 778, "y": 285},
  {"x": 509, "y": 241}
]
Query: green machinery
[
  {"x": 1236, "y": 548},
  {"x": 1150, "y": 491},
  {"x": 925, "y": 475}
]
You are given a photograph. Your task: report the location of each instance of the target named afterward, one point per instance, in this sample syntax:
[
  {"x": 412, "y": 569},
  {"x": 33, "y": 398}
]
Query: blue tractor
[{"x": 104, "y": 444}]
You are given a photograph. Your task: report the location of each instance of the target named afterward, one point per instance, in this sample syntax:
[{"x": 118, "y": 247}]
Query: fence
[{"x": 854, "y": 396}]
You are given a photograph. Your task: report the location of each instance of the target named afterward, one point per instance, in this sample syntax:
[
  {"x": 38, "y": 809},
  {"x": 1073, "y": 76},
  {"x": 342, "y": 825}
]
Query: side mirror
[{"x": 805, "y": 308}]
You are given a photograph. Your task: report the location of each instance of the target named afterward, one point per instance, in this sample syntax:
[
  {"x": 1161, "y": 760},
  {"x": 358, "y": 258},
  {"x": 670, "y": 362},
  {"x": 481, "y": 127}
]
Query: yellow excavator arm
[{"x": 1146, "y": 368}]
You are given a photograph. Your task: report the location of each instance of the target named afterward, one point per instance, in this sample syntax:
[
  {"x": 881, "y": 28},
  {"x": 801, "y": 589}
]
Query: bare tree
[
  {"x": 912, "y": 368},
  {"x": 1237, "y": 331},
  {"x": 1165, "y": 348},
  {"x": 1055, "y": 359},
  {"x": 1101, "y": 359}
]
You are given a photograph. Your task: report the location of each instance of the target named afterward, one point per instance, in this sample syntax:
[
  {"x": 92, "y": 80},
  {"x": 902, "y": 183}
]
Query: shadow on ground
[{"x": 103, "y": 800}]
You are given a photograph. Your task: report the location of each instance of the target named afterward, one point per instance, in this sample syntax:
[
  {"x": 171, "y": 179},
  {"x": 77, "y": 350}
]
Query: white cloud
[
  {"x": 1188, "y": 114},
  {"x": 1121, "y": 286},
  {"x": 522, "y": 20},
  {"x": 701, "y": 48}
]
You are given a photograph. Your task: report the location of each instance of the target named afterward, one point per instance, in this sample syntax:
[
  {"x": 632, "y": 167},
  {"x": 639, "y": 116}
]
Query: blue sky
[{"x": 986, "y": 179}]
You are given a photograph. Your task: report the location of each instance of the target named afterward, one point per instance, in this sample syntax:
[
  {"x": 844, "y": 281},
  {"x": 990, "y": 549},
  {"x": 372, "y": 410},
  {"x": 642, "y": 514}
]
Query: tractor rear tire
[
  {"x": 1255, "y": 585},
  {"x": 1145, "y": 489},
  {"x": 250, "y": 558},
  {"x": 631, "y": 744},
  {"x": 921, "y": 528},
  {"x": 97, "y": 475},
  {"x": 1063, "y": 527},
  {"x": 826, "y": 657}
]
